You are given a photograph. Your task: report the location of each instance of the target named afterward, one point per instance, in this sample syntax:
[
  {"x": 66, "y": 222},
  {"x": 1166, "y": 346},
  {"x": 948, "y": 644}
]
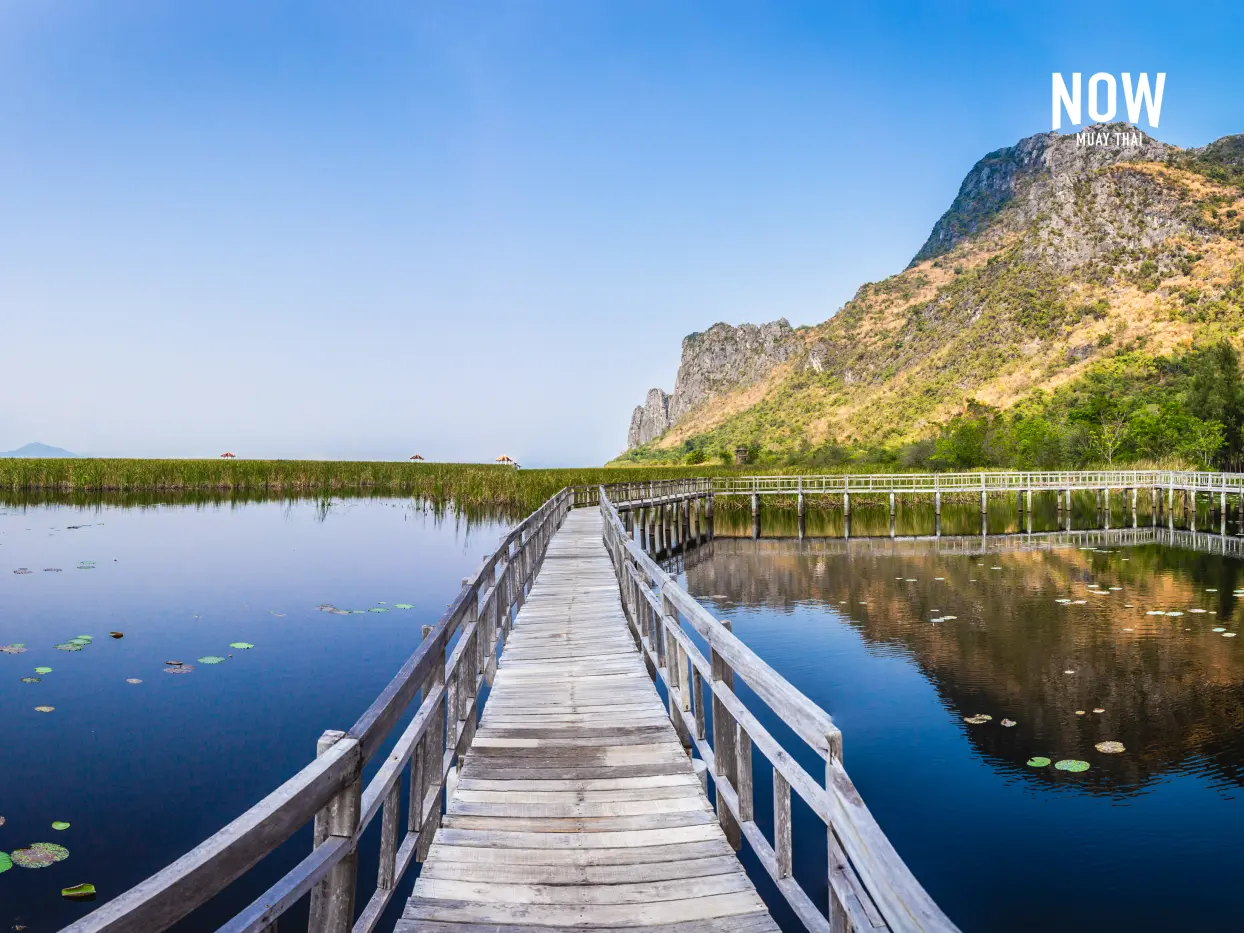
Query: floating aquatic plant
[
  {"x": 117, "y": 634},
  {"x": 409, "y": 606},
  {"x": 32, "y": 680},
  {"x": 43, "y": 670},
  {"x": 39, "y": 855},
  {"x": 212, "y": 659},
  {"x": 978, "y": 718},
  {"x": 1109, "y": 748},
  {"x": 45, "y": 709},
  {"x": 5, "y": 862},
  {"x": 18, "y": 648},
  {"x": 182, "y": 669},
  {"x": 60, "y": 825},
  {"x": 78, "y": 892},
  {"x": 1072, "y": 764},
  {"x": 1218, "y": 629},
  {"x": 1038, "y": 762},
  {"x": 1008, "y": 723},
  {"x": 132, "y": 680},
  {"x": 243, "y": 645}
]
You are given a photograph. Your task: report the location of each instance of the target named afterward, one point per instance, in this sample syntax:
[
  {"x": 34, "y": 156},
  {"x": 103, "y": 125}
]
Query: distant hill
[
  {"x": 37, "y": 450},
  {"x": 1069, "y": 286}
]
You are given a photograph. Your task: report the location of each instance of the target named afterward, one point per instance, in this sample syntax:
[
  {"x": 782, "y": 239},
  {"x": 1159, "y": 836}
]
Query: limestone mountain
[{"x": 1059, "y": 254}]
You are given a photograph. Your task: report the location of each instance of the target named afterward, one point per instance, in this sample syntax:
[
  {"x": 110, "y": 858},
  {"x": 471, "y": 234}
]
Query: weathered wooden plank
[
  {"x": 577, "y": 805},
  {"x": 758, "y": 922}
]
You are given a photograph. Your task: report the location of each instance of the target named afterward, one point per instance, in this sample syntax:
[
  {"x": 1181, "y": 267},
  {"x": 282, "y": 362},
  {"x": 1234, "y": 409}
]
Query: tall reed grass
[{"x": 467, "y": 485}]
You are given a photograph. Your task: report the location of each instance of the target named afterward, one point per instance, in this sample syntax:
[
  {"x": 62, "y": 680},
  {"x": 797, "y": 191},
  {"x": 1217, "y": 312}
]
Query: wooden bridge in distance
[{"x": 610, "y": 780}]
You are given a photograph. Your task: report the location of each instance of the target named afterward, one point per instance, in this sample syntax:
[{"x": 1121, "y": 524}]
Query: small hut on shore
[
  {"x": 226, "y": 456},
  {"x": 417, "y": 458}
]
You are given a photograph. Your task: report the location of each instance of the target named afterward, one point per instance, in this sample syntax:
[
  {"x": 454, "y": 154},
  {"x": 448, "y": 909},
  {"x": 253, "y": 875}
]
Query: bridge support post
[
  {"x": 755, "y": 503},
  {"x": 891, "y": 505},
  {"x": 676, "y": 669},
  {"x": 800, "y": 506},
  {"x": 846, "y": 503},
  {"x": 983, "y": 508},
  {"x": 1190, "y": 507},
  {"x": 724, "y": 754},
  {"x": 332, "y": 900},
  {"x": 1028, "y": 501},
  {"x": 937, "y": 504}
]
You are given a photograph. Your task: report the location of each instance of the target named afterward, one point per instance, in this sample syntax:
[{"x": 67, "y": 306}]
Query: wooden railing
[
  {"x": 998, "y": 481},
  {"x": 870, "y": 886},
  {"x": 330, "y": 789}
]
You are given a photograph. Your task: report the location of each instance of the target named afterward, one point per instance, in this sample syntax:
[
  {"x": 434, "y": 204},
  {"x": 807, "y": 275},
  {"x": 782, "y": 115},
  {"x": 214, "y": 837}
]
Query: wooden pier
[{"x": 577, "y": 805}]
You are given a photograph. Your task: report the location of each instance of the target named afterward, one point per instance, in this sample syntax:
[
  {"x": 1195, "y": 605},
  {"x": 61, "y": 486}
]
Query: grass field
[{"x": 465, "y": 484}]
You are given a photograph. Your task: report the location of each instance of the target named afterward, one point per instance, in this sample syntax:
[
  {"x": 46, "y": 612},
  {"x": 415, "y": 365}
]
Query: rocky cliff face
[
  {"x": 1029, "y": 175},
  {"x": 714, "y": 362},
  {"x": 649, "y": 420}
]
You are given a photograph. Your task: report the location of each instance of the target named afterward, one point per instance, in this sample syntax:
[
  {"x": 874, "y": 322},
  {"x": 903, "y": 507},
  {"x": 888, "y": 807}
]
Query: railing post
[
  {"x": 724, "y": 728},
  {"x": 676, "y": 671},
  {"x": 332, "y": 900},
  {"x": 434, "y": 754}
]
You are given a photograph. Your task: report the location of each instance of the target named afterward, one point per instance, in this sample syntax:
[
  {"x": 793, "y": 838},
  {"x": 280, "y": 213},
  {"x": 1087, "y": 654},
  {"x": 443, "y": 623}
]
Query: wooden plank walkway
[{"x": 577, "y": 807}]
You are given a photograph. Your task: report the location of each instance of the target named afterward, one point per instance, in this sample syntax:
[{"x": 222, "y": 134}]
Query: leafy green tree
[{"x": 1215, "y": 394}]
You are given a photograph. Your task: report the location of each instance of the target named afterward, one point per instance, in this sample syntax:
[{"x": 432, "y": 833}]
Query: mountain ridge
[
  {"x": 1053, "y": 257},
  {"x": 35, "y": 450}
]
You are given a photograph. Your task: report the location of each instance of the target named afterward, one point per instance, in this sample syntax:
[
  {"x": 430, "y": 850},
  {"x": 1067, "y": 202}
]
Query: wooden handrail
[
  {"x": 870, "y": 885},
  {"x": 329, "y": 789}
]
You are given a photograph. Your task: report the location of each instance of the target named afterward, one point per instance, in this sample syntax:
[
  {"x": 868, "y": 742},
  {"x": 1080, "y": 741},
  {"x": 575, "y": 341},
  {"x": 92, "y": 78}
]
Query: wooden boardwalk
[{"x": 577, "y": 806}]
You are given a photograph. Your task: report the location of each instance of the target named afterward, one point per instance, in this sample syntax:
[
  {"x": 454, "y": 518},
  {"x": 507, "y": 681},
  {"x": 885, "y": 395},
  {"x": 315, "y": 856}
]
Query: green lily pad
[
  {"x": 83, "y": 638},
  {"x": 59, "y": 825},
  {"x": 1038, "y": 762},
  {"x": 241, "y": 644},
  {"x": 377, "y": 609},
  {"x": 211, "y": 659},
  {"x": 43, "y": 670},
  {"x": 68, "y": 646},
  {"x": 1071, "y": 764},
  {"x": 78, "y": 892},
  {"x": 5, "y": 862},
  {"x": 403, "y": 606}
]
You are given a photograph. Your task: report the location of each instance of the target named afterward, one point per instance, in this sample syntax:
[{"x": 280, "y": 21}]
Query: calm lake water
[
  {"x": 144, "y": 771},
  {"x": 1142, "y": 840},
  {"x": 901, "y": 640}
]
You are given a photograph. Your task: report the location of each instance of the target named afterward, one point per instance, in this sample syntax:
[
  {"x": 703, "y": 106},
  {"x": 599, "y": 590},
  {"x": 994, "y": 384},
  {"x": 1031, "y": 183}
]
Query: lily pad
[
  {"x": 1008, "y": 723},
  {"x": 212, "y": 659},
  {"x": 183, "y": 669},
  {"x": 43, "y": 670},
  {"x": 32, "y": 680},
  {"x": 12, "y": 649},
  {"x": 241, "y": 644},
  {"x": 68, "y": 646},
  {"x": 1219, "y": 629},
  {"x": 39, "y": 855},
  {"x": 403, "y": 606},
  {"x": 174, "y": 663},
  {"x": 132, "y": 680},
  {"x": 1071, "y": 764},
  {"x": 1228, "y": 634},
  {"x": 117, "y": 634},
  {"x": 60, "y": 825},
  {"x": 377, "y": 609},
  {"x": 5, "y": 862},
  {"x": 1109, "y": 748},
  {"x": 78, "y": 892},
  {"x": 1038, "y": 762},
  {"x": 45, "y": 709},
  {"x": 1098, "y": 710},
  {"x": 978, "y": 718}
]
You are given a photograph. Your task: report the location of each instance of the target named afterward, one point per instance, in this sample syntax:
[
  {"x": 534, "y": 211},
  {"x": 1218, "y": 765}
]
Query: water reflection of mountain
[{"x": 1172, "y": 690}]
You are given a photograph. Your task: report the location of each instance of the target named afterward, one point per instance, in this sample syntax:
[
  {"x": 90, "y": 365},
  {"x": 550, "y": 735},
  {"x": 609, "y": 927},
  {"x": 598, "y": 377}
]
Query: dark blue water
[
  {"x": 1143, "y": 840},
  {"x": 143, "y": 772}
]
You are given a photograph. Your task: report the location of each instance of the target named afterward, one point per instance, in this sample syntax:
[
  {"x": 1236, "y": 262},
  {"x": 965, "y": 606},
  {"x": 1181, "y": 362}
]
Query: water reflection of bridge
[{"x": 967, "y": 545}]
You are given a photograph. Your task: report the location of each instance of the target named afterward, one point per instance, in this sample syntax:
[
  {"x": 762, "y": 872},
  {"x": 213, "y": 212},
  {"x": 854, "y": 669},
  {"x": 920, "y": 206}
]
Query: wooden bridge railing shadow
[
  {"x": 870, "y": 886},
  {"x": 330, "y": 789}
]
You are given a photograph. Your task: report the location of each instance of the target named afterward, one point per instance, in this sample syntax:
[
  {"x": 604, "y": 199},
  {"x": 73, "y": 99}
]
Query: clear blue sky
[{"x": 361, "y": 229}]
